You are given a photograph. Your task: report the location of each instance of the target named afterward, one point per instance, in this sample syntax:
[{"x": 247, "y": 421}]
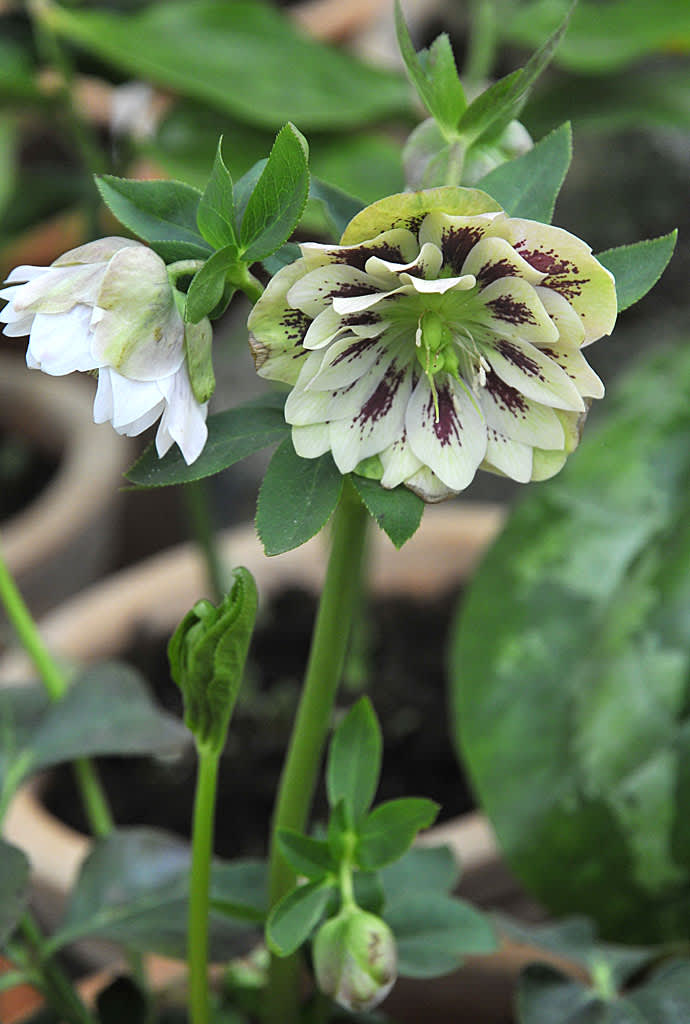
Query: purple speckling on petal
[
  {"x": 354, "y": 350},
  {"x": 519, "y": 359},
  {"x": 352, "y": 291},
  {"x": 493, "y": 271},
  {"x": 295, "y": 323},
  {"x": 457, "y": 243},
  {"x": 505, "y": 307},
  {"x": 447, "y": 428},
  {"x": 507, "y": 398},
  {"x": 358, "y": 256},
  {"x": 379, "y": 404},
  {"x": 360, "y": 319}
]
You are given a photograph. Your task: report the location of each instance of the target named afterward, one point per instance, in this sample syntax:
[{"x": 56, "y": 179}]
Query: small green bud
[
  {"x": 355, "y": 959},
  {"x": 198, "y": 343},
  {"x": 207, "y": 653}
]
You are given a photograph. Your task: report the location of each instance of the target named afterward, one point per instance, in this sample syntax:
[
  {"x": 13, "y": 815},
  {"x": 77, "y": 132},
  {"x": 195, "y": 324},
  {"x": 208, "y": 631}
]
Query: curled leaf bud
[
  {"x": 355, "y": 959},
  {"x": 207, "y": 653}
]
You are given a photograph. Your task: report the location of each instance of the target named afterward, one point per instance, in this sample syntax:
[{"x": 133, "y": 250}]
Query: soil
[
  {"x": 399, "y": 646},
  {"x": 24, "y": 471}
]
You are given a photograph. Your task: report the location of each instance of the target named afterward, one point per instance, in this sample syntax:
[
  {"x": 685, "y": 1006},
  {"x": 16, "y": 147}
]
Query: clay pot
[{"x": 61, "y": 541}]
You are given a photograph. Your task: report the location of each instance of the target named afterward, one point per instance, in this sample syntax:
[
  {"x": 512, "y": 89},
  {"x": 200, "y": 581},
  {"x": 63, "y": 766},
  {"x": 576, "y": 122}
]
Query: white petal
[
  {"x": 570, "y": 328},
  {"x": 323, "y": 329},
  {"x": 427, "y": 264},
  {"x": 578, "y": 369},
  {"x": 455, "y": 236},
  {"x": 427, "y": 485},
  {"x": 493, "y": 258},
  {"x": 509, "y": 457},
  {"x": 360, "y": 303},
  {"x": 399, "y": 462},
  {"x": 184, "y": 419},
  {"x": 511, "y": 308},
  {"x": 312, "y": 441},
  {"x": 59, "y": 289},
  {"x": 534, "y": 374},
  {"x": 345, "y": 362},
  {"x": 133, "y": 399},
  {"x": 61, "y": 343},
  {"x": 25, "y": 273},
  {"x": 440, "y": 286},
  {"x": 314, "y": 292},
  {"x": 454, "y": 445},
  {"x": 396, "y": 244},
  {"x": 103, "y": 402},
  {"x": 19, "y": 327},
  {"x": 510, "y": 412},
  {"x": 100, "y": 251}
]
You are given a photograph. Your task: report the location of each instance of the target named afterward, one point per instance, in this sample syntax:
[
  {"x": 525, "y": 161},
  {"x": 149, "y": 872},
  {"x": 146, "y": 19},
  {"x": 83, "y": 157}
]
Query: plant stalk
[
  {"x": 482, "y": 42},
  {"x": 329, "y": 641},
  {"x": 201, "y": 521},
  {"x": 199, "y": 883},
  {"x": 53, "y": 982}
]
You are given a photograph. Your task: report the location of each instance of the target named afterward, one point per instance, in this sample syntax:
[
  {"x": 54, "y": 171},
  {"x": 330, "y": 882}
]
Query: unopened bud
[{"x": 355, "y": 959}]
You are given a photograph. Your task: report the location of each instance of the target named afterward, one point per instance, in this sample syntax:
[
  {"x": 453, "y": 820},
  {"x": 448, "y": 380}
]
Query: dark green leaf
[
  {"x": 122, "y": 1000},
  {"x": 546, "y": 995},
  {"x": 216, "y": 213},
  {"x": 14, "y": 888},
  {"x": 398, "y": 512},
  {"x": 422, "y": 868},
  {"x": 287, "y": 254},
  {"x": 232, "y": 436},
  {"x": 208, "y": 285},
  {"x": 434, "y": 75},
  {"x": 309, "y": 857},
  {"x": 339, "y": 206},
  {"x": 638, "y": 267},
  {"x": 665, "y": 997},
  {"x": 276, "y": 204},
  {"x": 243, "y": 58},
  {"x": 239, "y": 889},
  {"x": 354, "y": 760},
  {"x": 291, "y": 921},
  {"x": 246, "y": 185},
  {"x": 390, "y": 829},
  {"x": 296, "y": 499},
  {"x": 582, "y": 607},
  {"x": 162, "y": 213},
  {"x": 529, "y": 185},
  {"x": 132, "y": 889},
  {"x": 434, "y": 933}
]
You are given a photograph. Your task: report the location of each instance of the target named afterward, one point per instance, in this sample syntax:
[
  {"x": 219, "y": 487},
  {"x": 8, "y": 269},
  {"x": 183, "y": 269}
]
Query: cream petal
[
  {"x": 344, "y": 362},
  {"x": 314, "y": 291},
  {"x": 137, "y": 327},
  {"x": 547, "y": 464},
  {"x": 510, "y": 308},
  {"x": 510, "y": 458},
  {"x": 377, "y": 423},
  {"x": 531, "y": 372},
  {"x": 323, "y": 329},
  {"x": 578, "y": 369},
  {"x": 360, "y": 303},
  {"x": 133, "y": 399},
  {"x": 568, "y": 324},
  {"x": 427, "y": 265},
  {"x": 570, "y": 268},
  {"x": 183, "y": 420},
  {"x": 277, "y": 330},
  {"x": 454, "y": 445},
  {"x": 511, "y": 413},
  {"x": 494, "y": 258},
  {"x": 455, "y": 236},
  {"x": 23, "y": 273},
  {"x": 61, "y": 343},
  {"x": 440, "y": 286},
  {"x": 397, "y": 245},
  {"x": 59, "y": 289},
  {"x": 428, "y": 487},
  {"x": 100, "y": 251},
  {"x": 312, "y": 441},
  {"x": 103, "y": 402},
  {"x": 399, "y": 462},
  {"x": 19, "y": 327}
]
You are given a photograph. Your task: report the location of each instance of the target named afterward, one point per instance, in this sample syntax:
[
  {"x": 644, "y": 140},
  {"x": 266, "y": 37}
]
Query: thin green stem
[
  {"x": 242, "y": 278},
  {"x": 93, "y": 797},
  {"x": 53, "y": 982},
  {"x": 199, "y": 884},
  {"x": 312, "y": 722},
  {"x": 482, "y": 42},
  {"x": 183, "y": 268},
  {"x": 201, "y": 521}
]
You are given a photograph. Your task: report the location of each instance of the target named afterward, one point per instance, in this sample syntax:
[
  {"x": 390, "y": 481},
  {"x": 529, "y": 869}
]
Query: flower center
[{"x": 443, "y": 350}]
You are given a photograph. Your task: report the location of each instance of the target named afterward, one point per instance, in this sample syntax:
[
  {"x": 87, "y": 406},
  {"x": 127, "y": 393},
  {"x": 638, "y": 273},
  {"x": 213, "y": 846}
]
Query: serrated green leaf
[
  {"x": 529, "y": 185},
  {"x": 354, "y": 760},
  {"x": 133, "y": 889},
  {"x": 638, "y": 267},
  {"x": 14, "y": 888},
  {"x": 211, "y": 51},
  {"x": 293, "y": 919},
  {"x": 339, "y": 206},
  {"x": 398, "y": 512},
  {"x": 162, "y": 213},
  {"x": 434, "y": 933},
  {"x": 208, "y": 284},
  {"x": 309, "y": 857},
  {"x": 232, "y": 436},
  {"x": 434, "y": 75},
  {"x": 389, "y": 831},
  {"x": 279, "y": 197},
  {"x": 216, "y": 212},
  {"x": 296, "y": 499},
  {"x": 494, "y": 108},
  {"x": 246, "y": 185}
]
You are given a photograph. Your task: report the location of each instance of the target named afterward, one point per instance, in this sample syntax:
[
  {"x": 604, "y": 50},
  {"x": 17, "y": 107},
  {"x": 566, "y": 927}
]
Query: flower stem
[
  {"x": 482, "y": 42},
  {"x": 201, "y": 520},
  {"x": 53, "y": 982},
  {"x": 242, "y": 278},
  {"x": 338, "y": 601},
  {"x": 199, "y": 883},
  {"x": 93, "y": 797}
]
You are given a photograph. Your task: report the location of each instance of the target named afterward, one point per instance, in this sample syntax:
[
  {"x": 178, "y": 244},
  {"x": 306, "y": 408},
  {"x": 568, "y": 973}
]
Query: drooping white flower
[
  {"x": 109, "y": 306},
  {"x": 441, "y": 337}
]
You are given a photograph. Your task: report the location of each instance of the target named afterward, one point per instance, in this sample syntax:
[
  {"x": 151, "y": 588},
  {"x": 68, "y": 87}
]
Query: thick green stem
[
  {"x": 201, "y": 520},
  {"x": 93, "y": 797},
  {"x": 242, "y": 278},
  {"x": 199, "y": 884},
  {"x": 482, "y": 42},
  {"x": 338, "y": 601}
]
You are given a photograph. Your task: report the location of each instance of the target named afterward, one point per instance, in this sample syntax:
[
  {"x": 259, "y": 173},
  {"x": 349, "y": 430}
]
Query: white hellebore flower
[
  {"x": 109, "y": 306},
  {"x": 441, "y": 337}
]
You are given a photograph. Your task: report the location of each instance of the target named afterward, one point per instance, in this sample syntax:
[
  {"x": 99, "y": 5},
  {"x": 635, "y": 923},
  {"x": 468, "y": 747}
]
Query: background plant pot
[
  {"x": 155, "y": 594},
  {"x": 61, "y": 540}
]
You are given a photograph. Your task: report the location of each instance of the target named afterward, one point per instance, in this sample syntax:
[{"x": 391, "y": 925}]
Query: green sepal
[
  {"x": 308, "y": 856},
  {"x": 198, "y": 348},
  {"x": 293, "y": 918},
  {"x": 162, "y": 213},
  {"x": 528, "y": 186},
  {"x": 277, "y": 202},
  {"x": 216, "y": 212},
  {"x": 207, "y": 653},
  {"x": 354, "y": 761},
  {"x": 434, "y": 75},
  {"x": 389, "y": 831},
  {"x": 638, "y": 267}
]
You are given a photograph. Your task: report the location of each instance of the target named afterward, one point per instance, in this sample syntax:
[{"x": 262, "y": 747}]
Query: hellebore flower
[
  {"x": 441, "y": 337},
  {"x": 109, "y": 306},
  {"x": 355, "y": 959}
]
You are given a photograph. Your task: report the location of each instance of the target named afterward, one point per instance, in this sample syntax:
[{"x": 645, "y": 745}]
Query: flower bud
[{"x": 355, "y": 959}]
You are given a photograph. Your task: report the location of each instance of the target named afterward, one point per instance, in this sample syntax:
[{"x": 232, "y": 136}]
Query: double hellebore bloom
[
  {"x": 441, "y": 337},
  {"x": 109, "y": 306}
]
